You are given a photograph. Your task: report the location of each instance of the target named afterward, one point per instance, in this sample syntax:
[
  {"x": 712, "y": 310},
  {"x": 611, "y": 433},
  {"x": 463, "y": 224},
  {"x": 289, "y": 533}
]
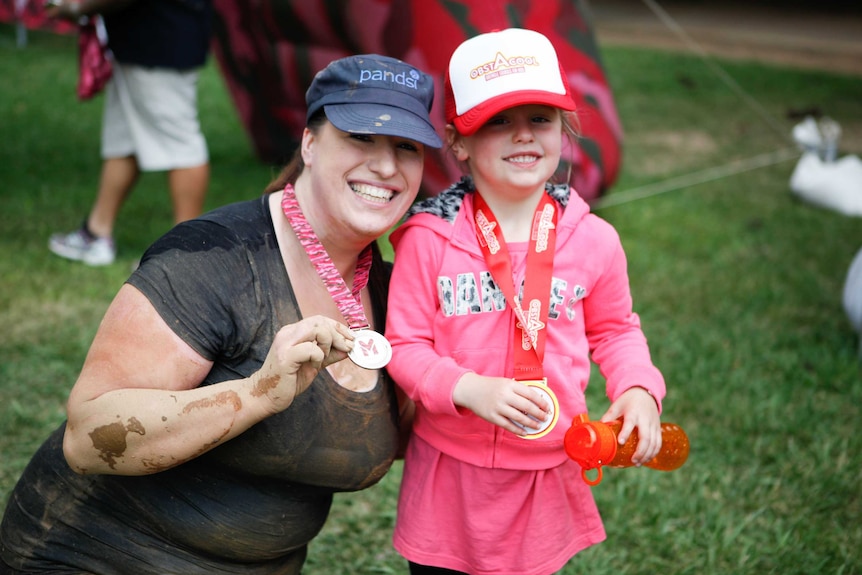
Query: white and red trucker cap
[{"x": 502, "y": 69}]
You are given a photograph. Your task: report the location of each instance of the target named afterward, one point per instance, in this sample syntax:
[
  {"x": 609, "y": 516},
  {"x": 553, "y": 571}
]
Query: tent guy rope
[{"x": 710, "y": 174}]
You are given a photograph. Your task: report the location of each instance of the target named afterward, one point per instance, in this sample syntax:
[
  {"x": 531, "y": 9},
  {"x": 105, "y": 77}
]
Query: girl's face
[
  {"x": 360, "y": 183},
  {"x": 516, "y": 152}
]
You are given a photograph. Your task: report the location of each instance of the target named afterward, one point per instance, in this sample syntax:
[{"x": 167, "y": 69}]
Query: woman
[{"x": 216, "y": 412}]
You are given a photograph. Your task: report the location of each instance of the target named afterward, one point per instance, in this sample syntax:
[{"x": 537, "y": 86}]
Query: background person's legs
[
  {"x": 188, "y": 191},
  {"x": 150, "y": 124},
  {"x": 93, "y": 242},
  {"x": 115, "y": 185}
]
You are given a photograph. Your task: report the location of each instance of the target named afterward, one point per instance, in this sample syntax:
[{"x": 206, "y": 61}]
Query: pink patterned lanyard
[{"x": 348, "y": 300}]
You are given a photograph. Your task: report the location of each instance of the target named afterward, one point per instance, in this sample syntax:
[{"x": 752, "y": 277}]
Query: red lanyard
[{"x": 530, "y": 329}]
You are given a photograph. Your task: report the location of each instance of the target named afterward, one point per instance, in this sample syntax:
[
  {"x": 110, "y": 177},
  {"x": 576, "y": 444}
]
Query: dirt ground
[
  {"x": 806, "y": 35},
  {"x": 824, "y": 36}
]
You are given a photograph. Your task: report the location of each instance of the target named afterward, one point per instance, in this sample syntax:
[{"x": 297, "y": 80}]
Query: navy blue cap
[{"x": 373, "y": 94}]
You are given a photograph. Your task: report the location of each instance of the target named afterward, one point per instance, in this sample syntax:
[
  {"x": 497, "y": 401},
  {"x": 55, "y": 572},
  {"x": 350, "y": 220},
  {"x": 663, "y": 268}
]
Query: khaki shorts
[{"x": 151, "y": 113}]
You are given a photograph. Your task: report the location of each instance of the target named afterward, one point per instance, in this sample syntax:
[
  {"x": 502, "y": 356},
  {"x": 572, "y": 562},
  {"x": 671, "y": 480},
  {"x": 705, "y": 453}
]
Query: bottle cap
[{"x": 590, "y": 444}]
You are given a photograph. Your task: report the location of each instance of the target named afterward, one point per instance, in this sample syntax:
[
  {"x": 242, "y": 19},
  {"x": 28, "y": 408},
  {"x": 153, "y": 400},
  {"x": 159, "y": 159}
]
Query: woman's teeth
[{"x": 372, "y": 193}]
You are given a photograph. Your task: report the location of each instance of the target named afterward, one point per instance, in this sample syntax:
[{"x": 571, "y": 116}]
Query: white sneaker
[{"x": 82, "y": 247}]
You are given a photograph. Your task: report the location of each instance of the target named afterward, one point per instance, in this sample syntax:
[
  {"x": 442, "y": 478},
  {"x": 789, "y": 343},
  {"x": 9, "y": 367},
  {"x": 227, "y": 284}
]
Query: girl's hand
[
  {"x": 299, "y": 351},
  {"x": 637, "y": 409},
  {"x": 501, "y": 401}
]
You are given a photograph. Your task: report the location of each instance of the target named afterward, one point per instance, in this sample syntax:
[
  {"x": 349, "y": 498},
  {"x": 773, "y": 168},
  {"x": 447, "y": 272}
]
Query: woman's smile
[{"x": 372, "y": 193}]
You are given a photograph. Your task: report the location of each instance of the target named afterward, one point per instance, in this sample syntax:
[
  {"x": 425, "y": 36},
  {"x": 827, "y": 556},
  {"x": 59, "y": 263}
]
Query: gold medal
[{"x": 543, "y": 427}]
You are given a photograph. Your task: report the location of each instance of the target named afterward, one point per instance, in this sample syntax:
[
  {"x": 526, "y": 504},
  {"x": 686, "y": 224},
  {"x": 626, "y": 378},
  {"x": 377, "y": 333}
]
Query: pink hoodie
[{"x": 444, "y": 321}]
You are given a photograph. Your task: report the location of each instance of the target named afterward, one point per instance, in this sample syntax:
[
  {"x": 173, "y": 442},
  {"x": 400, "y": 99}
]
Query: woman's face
[
  {"x": 361, "y": 182},
  {"x": 515, "y": 152}
]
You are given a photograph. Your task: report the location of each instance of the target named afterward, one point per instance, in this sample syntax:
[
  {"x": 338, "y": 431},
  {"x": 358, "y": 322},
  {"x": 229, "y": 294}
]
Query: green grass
[{"x": 737, "y": 282}]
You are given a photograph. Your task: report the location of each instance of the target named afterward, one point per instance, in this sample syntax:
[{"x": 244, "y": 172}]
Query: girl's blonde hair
[{"x": 572, "y": 131}]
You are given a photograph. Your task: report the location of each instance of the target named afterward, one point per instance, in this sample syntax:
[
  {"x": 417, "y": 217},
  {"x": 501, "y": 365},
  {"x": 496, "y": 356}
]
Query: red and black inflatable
[{"x": 269, "y": 50}]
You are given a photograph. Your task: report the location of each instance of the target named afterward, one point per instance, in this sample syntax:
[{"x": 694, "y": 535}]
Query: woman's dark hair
[{"x": 294, "y": 167}]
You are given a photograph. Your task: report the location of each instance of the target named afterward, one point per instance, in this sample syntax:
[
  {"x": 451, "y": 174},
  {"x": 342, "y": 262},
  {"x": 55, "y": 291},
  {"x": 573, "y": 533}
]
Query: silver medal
[{"x": 370, "y": 350}]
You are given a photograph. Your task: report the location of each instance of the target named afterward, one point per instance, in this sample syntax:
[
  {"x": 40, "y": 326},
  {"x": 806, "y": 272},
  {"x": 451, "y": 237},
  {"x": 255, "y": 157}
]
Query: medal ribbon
[
  {"x": 348, "y": 300},
  {"x": 530, "y": 329}
]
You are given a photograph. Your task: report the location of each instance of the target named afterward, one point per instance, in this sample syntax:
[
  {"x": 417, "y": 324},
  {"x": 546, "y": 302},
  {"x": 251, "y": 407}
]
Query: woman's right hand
[
  {"x": 138, "y": 406},
  {"x": 299, "y": 351}
]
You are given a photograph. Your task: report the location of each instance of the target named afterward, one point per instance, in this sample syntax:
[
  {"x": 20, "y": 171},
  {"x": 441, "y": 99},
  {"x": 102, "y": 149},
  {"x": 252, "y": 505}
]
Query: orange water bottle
[{"x": 593, "y": 444}]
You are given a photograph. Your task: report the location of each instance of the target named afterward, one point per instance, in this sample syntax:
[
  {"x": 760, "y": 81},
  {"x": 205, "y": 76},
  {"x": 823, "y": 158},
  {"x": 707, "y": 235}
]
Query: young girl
[{"x": 504, "y": 288}]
